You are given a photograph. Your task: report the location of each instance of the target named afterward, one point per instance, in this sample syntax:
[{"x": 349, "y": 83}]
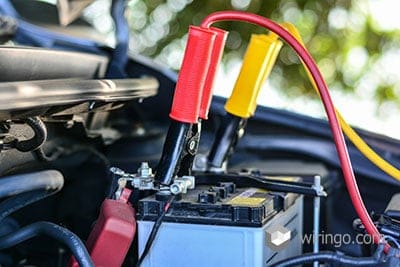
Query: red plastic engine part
[
  {"x": 192, "y": 76},
  {"x": 113, "y": 233}
]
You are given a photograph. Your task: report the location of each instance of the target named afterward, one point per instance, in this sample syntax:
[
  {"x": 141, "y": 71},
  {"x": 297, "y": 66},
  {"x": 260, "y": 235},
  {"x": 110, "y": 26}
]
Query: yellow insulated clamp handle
[{"x": 258, "y": 61}]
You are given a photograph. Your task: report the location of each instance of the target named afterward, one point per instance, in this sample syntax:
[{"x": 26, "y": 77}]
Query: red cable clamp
[
  {"x": 216, "y": 56},
  {"x": 113, "y": 233},
  {"x": 192, "y": 76}
]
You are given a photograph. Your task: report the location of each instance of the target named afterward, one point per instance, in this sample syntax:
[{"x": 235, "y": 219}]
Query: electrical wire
[
  {"x": 391, "y": 238},
  {"x": 367, "y": 151},
  {"x": 154, "y": 231},
  {"x": 358, "y": 142},
  {"x": 52, "y": 230},
  {"x": 337, "y": 133}
]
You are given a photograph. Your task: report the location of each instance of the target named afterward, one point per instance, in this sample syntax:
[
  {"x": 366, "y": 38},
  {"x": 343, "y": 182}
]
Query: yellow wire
[
  {"x": 358, "y": 142},
  {"x": 367, "y": 151}
]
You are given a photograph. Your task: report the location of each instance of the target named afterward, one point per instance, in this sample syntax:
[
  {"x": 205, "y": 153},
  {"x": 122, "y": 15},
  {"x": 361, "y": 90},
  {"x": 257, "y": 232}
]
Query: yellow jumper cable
[{"x": 358, "y": 142}]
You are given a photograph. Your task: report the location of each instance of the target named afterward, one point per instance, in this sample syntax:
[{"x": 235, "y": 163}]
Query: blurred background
[{"x": 355, "y": 43}]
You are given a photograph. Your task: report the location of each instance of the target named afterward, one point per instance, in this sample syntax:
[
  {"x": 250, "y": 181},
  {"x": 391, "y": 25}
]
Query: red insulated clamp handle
[
  {"x": 216, "y": 56},
  {"x": 192, "y": 76}
]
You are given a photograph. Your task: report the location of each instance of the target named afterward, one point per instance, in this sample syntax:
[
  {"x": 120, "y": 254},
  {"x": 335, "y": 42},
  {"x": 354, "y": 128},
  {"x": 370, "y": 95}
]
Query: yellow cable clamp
[
  {"x": 358, "y": 142},
  {"x": 258, "y": 61}
]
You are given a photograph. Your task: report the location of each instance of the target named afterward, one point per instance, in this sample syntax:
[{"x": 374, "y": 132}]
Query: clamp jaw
[{"x": 259, "y": 59}]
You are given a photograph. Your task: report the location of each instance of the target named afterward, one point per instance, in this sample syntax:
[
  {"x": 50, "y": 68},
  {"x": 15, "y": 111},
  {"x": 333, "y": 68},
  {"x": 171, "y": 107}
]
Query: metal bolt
[
  {"x": 177, "y": 188},
  {"x": 145, "y": 170},
  {"x": 181, "y": 185}
]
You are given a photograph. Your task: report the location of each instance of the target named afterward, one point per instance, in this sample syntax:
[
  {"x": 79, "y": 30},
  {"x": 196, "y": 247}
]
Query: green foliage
[{"x": 342, "y": 36}]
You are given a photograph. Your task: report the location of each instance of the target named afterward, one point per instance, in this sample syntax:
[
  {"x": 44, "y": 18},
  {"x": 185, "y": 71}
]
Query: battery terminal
[{"x": 144, "y": 180}]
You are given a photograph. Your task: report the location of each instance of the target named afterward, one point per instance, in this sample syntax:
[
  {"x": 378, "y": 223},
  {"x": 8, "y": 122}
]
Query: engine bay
[{"x": 108, "y": 159}]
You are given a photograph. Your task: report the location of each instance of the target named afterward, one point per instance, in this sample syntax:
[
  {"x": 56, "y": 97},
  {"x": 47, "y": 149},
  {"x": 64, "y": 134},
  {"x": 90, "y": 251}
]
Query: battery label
[
  {"x": 249, "y": 201},
  {"x": 246, "y": 198}
]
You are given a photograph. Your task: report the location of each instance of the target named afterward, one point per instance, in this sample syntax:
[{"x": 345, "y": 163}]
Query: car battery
[{"x": 222, "y": 226}]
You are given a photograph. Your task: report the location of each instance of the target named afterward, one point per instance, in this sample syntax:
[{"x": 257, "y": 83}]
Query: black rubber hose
[
  {"x": 326, "y": 256},
  {"x": 20, "y": 183},
  {"x": 15, "y": 203},
  {"x": 40, "y": 130},
  {"x": 52, "y": 230}
]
